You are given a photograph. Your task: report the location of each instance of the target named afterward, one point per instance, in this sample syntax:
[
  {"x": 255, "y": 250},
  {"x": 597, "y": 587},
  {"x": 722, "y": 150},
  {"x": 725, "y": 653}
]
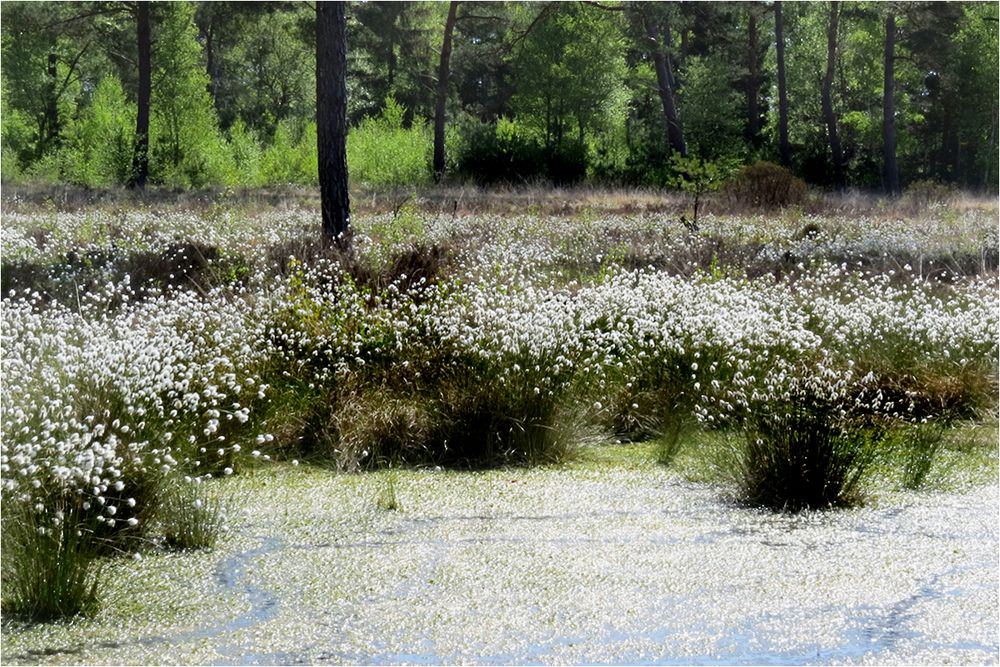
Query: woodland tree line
[{"x": 872, "y": 95}]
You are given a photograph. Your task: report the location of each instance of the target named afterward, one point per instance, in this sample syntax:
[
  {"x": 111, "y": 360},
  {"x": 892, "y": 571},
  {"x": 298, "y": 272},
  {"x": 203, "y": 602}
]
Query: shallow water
[{"x": 616, "y": 566}]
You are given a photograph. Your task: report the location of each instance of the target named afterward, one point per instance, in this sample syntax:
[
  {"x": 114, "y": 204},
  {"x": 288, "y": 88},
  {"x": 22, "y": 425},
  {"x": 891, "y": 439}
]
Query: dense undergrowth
[{"x": 146, "y": 350}]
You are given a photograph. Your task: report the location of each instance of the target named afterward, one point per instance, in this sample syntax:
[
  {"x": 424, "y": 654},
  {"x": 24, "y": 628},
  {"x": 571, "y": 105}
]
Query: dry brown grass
[{"x": 464, "y": 199}]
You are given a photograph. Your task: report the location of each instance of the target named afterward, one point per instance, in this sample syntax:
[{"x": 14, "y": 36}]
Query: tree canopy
[{"x": 560, "y": 91}]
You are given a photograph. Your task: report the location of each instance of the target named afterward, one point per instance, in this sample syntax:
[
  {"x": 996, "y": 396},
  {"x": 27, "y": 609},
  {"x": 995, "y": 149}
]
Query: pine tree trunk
[
  {"x": 140, "y": 158},
  {"x": 836, "y": 153},
  {"x": 891, "y": 171},
  {"x": 665, "y": 81},
  {"x": 50, "y": 135},
  {"x": 331, "y": 122},
  {"x": 210, "y": 64},
  {"x": 753, "y": 78},
  {"x": 441, "y": 102},
  {"x": 784, "y": 149}
]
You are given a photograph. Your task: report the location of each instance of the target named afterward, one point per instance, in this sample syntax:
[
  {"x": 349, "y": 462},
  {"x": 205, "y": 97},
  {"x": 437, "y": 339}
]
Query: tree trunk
[
  {"x": 331, "y": 122},
  {"x": 891, "y": 171},
  {"x": 50, "y": 134},
  {"x": 753, "y": 78},
  {"x": 665, "y": 80},
  {"x": 210, "y": 65},
  {"x": 784, "y": 149},
  {"x": 989, "y": 173},
  {"x": 442, "y": 93},
  {"x": 140, "y": 158},
  {"x": 836, "y": 153}
]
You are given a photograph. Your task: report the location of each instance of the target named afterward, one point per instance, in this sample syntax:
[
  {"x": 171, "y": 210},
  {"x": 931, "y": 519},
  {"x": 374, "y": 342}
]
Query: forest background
[{"x": 866, "y": 95}]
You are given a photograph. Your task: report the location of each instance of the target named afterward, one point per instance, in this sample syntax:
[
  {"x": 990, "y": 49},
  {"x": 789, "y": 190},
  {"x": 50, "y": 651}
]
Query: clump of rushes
[
  {"x": 805, "y": 454},
  {"x": 51, "y": 565},
  {"x": 191, "y": 517},
  {"x": 388, "y": 500},
  {"x": 484, "y": 418},
  {"x": 920, "y": 445}
]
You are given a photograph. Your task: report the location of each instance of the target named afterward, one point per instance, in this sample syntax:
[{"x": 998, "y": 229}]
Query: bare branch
[
  {"x": 527, "y": 31},
  {"x": 72, "y": 68},
  {"x": 607, "y": 8},
  {"x": 477, "y": 17},
  {"x": 117, "y": 9}
]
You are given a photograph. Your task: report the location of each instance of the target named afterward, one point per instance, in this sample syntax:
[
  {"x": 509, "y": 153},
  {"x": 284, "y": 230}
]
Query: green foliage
[
  {"x": 292, "y": 155},
  {"x": 697, "y": 176},
  {"x": 234, "y": 92},
  {"x": 498, "y": 153},
  {"x": 711, "y": 109},
  {"x": 186, "y": 146},
  {"x": 99, "y": 146},
  {"x": 405, "y": 226},
  {"x": 570, "y": 72},
  {"x": 383, "y": 153},
  {"x": 248, "y": 156},
  {"x": 271, "y": 48},
  {"x": 394, "y": 47},
  {"x": 16, "y": 136}
]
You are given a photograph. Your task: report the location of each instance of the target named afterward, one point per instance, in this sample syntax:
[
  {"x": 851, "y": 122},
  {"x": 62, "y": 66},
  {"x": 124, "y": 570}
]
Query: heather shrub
[
  {"x": 924, "y": 193},
  {"x": 764, "y": 185}
]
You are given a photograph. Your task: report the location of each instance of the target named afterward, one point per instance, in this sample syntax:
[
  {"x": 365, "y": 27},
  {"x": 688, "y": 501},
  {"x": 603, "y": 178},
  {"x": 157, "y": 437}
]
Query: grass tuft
[
  {"x": 50, "y": 561},
  {"x": 806, "y": 456},
  {"x": 191, "y": 517}
]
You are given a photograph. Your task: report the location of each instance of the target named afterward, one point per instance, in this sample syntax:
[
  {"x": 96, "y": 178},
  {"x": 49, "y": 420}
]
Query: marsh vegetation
[{"x": 150, "y": 348}]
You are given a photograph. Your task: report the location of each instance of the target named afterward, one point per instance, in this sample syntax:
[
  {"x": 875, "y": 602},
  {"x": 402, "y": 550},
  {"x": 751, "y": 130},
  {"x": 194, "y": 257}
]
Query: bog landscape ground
[{"x": 520, "y": 426}]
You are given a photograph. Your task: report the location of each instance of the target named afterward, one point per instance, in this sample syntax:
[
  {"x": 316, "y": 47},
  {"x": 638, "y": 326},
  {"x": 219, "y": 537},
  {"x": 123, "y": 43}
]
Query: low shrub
[
  {"x": 764, "y": 185},
  {"x": 482, "y": 421},
  {"x": 383, "y": 153},
  {"x": 368, "y": 428},
  {"x": 99, "y": 144},
  {"x": 921, "y": 445},
  {"x": 247, "y": 154},
  {"x": 656, "y": 403},
  {"x": 292, "y": 156},
  {"x": 922, "y": 194},
  {"x": 498, "y": 154},
  {"x": 451, "y": 413}
]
